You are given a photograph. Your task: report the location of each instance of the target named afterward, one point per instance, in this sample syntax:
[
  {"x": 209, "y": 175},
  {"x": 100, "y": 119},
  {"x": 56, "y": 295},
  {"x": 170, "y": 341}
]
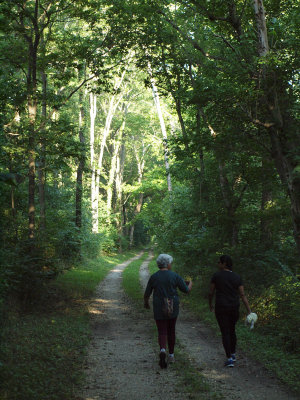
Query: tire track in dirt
[
  {"x": 248, "y": 380},
  {"x": 121, "y": 363}
]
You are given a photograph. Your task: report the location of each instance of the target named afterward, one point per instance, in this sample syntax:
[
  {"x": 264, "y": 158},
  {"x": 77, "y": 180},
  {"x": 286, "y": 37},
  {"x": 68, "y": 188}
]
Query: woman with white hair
[{"x": 164, "y": 284}]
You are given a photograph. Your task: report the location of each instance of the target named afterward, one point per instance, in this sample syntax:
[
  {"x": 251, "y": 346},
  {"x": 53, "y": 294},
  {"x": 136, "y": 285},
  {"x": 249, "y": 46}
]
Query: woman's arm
[
  {"x": 147, "y": 293},
  {"x": 146, "y": 302},
  {"x": 244, "y": 298},
  {"x": 211, "y": 296}
]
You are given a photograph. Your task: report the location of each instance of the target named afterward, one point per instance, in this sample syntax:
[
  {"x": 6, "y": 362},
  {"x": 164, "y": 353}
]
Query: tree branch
[
  {"x": 192, "y": 41},
  {"x": 54, "y": 109}
]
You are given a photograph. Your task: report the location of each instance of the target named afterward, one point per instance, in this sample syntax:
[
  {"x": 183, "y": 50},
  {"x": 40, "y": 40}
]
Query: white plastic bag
[{"x": 251, "y": 320}]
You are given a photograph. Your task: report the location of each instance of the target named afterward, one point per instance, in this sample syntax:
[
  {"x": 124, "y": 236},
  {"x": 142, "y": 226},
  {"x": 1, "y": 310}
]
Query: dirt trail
[
  {"x": 121, "y": 362},
  {"x": 248, "y": 380}
]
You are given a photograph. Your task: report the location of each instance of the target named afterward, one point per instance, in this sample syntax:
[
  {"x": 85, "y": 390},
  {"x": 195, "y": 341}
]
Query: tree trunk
[
  {"x": 229, "y": 205},
  {"x": 33, "y": 43},
  {"x": 119, "y": 182},
  {"x": 136, "y": 212},
  {"x": 32, "y": 112},
  {"x": 199, "y": 114},
  {"x": 141, "y": 166},
  {"x": 285, "y": 167},
  {"x": 266, "y": 197},
  {"x": 112, "y": 174},
  {"x": 80, "y": 168},
  {"x": 263, "y": 44},
  {"x": 201, "y": 156},
  {"x": 163, "y": 128},
  {"x": 113, "y": 105},
  {"x": 94, "y": 197},
  {"x": 42, "y": 159},
  {"x": 177, "y": 100},
  {"x": 108, "y": 121}
]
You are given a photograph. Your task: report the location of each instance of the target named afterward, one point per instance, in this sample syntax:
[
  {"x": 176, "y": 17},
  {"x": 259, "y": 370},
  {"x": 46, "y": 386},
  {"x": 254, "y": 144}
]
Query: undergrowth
[{"x": 43, "y": 349}]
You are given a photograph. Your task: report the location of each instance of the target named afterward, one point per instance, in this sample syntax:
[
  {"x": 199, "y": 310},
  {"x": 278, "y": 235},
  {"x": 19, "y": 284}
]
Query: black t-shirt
[{"x": 227, "y": 284}]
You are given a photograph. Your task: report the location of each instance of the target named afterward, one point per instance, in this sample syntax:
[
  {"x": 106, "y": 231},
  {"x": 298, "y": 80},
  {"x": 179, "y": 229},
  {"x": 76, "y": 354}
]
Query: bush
[{"x": 278, "y": 308}]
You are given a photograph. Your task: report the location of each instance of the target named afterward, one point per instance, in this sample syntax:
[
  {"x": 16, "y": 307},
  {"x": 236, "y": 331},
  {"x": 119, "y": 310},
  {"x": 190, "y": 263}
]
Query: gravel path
[
  {"x": 121, "y": 362},
  {"x": 248, "y": 380}
]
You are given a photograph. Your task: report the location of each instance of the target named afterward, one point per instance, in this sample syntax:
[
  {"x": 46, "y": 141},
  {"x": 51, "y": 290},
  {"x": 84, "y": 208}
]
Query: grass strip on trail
[
  {"x": 42, "y": 351},
  {"x": 190, "y": 380},
  {"x": 131, "y": 283},
  {"x": 285, "y": 365}
]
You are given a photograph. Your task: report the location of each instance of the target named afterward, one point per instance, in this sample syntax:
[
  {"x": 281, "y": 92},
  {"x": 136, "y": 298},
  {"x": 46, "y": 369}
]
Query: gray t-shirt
[{"x": 164, "y": 284}]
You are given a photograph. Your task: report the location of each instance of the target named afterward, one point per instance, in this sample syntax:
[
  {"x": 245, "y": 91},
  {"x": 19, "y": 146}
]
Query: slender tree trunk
[
  {"x": 231, "y": 200},
  {"x": 80, "y": 168},
  {"x": 136, "y": 212},
  {"x": 266, "y": 197},
  {"x": 112, "y": 174},
  {"x": 177, "y": 100},
  {"x": 113, "y": 168},
  {"x": 199, "y": 114},
  {"x": 42, "y": 159},
  {"x": 94, "y": 197},
  {"x": 113, "y": 105},
  {"x": 32, "y": 112},
  {"x": 14, "y": 213},
  {"x": 201, "y": 155},
  {"x": 119, "y": 182},
  {"x": 33, "y": 44},
  {"x": 163, "y": 128},
  {"x": 229, "y": 205},
  {"x": 141, "y": 166},
  {"x": 108, "y": 121}
]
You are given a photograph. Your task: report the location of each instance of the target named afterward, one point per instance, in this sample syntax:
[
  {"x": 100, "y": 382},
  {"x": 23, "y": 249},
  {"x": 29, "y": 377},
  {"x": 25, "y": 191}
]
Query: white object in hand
[{"x": 251, "y": 319}]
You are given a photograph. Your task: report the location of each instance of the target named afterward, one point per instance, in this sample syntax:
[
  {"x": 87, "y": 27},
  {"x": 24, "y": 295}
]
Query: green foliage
[
  {"x": 42, "y": 351},
  {"x": 278, "y": 309},
  {"x": 131, "y": 281},
  {"x": 81, "y": 280},
  {"x": 39, "y": 349}
]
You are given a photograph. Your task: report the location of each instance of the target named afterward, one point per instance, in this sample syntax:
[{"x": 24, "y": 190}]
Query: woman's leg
[
  {"x": 224, "y": 324},
  {"x": 162, "y": 327},
  {"x": 234, "y": 316},
  {"x": 162, "y": 332},
  {"x": 171, "y": 334}
]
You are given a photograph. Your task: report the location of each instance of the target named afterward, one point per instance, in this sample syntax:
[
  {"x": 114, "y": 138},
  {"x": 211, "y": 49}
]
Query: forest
[{"x": 171, "y": 125}]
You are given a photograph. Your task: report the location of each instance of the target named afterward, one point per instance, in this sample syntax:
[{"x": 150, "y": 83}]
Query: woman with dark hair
[
  {"x": 228, "y": 287},
  {"x": 164, "y": 284}
]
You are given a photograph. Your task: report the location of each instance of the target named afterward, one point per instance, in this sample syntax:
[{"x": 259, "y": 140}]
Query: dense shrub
[{"x": 281, "y": 302}]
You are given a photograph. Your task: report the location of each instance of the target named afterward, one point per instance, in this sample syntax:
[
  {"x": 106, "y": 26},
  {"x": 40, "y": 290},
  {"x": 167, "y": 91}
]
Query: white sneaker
[{"x": 171, "y": 359}]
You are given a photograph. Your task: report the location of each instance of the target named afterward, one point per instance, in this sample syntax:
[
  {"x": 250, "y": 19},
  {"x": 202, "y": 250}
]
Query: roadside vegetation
[{"x": 43, "y": 347}]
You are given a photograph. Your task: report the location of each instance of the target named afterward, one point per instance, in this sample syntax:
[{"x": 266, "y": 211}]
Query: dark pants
[
  {"x": 166, "y": 332},
  {"x": 227, "y": 318}
]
